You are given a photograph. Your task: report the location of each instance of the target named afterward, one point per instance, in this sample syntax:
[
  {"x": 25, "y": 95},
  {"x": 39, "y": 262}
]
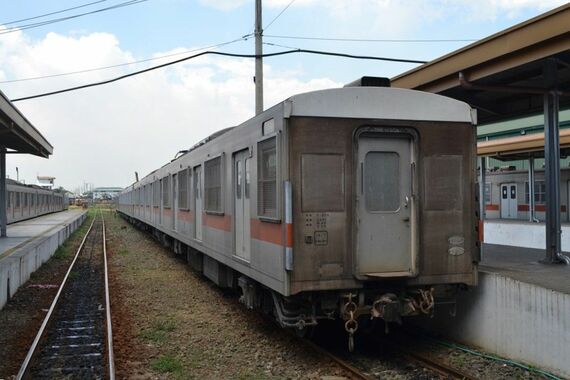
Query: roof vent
[{"x": 370, "y": 82}]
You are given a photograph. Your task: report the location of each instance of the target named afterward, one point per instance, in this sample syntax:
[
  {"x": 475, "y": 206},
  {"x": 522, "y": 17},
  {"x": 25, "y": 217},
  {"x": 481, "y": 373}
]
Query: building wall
[{"x": 520, "y": 178}]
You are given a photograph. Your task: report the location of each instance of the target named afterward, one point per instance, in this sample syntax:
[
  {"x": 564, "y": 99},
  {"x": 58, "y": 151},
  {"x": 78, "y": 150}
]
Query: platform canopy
[
  {"x": 520, "y": 147},
  {"x": 517, "y": 72},
  {"x": 513, "y": 59},
  {"x": 19, "y": 135}
]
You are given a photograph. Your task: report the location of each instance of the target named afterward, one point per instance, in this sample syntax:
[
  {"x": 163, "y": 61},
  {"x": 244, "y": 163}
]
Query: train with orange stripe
[{"x": 350, "y": 203}]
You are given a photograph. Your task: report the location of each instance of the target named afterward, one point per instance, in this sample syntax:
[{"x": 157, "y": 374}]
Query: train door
[
  {"x": 160, "y": 201},
  {"x": 242, "y": 225},
  {"x": 198, "y": 205},
  {"x": 175, "y": 202},
  {"x": 384, "y": 206},
  {"x": 509, "y": 203}
]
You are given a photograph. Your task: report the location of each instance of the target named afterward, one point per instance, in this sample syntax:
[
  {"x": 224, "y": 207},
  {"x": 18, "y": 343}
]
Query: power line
[
  {"x": 47, "y": 22},
  {"x": 366, "y": 39},
  {"x": 286, "y": 52},
  {"x": 52, "y": 13},
  {"x": 280, "y": 13},
  {"x": 243, "y": 38}
]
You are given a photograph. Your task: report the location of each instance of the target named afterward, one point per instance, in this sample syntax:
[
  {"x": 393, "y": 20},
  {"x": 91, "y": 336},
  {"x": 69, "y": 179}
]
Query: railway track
[
  {"x": 75, "y": 338},
  {"x": 358, "y": 371}
]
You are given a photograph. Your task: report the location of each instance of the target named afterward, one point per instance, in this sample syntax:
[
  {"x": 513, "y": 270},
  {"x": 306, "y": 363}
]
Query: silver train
[
  {"x": 351, "y": 203},
  {"x": 28, "y": 201}
]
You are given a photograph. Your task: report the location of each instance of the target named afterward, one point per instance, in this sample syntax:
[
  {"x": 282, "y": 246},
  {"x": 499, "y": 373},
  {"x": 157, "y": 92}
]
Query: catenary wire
[
  {"x": 53, "y": 21},
  {"x": 286, "y": 52},
  {"x": 53, "y": 13},
  {"x": 279, "y": 14},
  {"x": 243, "y": 38},
  {"x": 367, "y": 39}
]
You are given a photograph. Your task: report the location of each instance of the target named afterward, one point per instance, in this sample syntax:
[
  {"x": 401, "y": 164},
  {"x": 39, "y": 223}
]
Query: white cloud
[{"x": 103, "y": 134}]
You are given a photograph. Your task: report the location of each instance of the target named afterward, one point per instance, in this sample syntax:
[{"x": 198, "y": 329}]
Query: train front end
[{"x": 384, "y": 215}]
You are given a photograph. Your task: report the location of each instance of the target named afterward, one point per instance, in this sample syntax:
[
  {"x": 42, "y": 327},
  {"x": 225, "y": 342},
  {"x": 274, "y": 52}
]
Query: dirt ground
[
  {"x": 22, "y": 316},
  {"x": 169, "y": 322}
]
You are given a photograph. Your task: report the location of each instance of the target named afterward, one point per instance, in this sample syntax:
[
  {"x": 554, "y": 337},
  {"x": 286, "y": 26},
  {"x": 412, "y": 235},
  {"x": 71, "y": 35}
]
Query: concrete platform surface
[
  {"x": 25, "y": 231},
  {"x": 31, "y": 243},
  {"x": 523, "y": 264}
]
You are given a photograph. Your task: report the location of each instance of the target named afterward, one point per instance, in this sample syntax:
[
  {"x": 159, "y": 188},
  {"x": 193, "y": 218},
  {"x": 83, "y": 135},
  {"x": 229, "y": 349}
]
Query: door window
[
  {"x": 247, "y": 177},
  {"x": 238, "y": 179},
  {"x": 382, "y": 181}
]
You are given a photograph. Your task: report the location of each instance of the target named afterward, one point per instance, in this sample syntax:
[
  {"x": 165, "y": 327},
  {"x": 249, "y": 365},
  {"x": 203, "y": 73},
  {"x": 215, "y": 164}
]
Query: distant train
[
  {"x": 343, "y": 203},
  {"x": 28, "y": 201}
]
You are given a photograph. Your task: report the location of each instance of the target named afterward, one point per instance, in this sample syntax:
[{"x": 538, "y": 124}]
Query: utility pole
[{"x": 258, "y": 79}]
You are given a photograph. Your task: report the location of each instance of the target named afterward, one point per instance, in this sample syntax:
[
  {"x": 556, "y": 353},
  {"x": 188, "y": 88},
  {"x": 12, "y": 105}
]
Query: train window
[
  {"x": 17, "y": 199},
  {"x": 239, "y": 179},
  {"x": 268, "y": 127},
  {"x": 166, "y": 191},
  {"x": 156, "y": 194},
  {"x": 247, "y": 177},
  {"x": 183, "y": 189},
  {"x": 9, "y": 199},
  {"x": 322, "y": 182},
  {"x": 267, "y": 178},
  {"x": 213, "y": 184},
  {"x": 382, "y": 181}
]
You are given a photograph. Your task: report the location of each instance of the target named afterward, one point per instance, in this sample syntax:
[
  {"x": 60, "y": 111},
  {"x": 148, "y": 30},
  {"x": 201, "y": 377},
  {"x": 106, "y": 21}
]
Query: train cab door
[
  {"x": 384, "y": 205},
  {"x": 509, "y": 204},
  {"x": 198, "y": 204},
  {"x": 242, "y": 222},
  {"x": 175, "y": 202}
]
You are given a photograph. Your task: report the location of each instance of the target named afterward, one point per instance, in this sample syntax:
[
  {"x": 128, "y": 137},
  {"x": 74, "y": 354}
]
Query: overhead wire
[
  {"x": 208, "y": 52},
  {"x": 243, "y": 38},
  {"x": 279, "y": 14},
  {"x": 53, "y": 21},
  {"x": 367, "y": 39},
  {"x": 52, "y": 13}
]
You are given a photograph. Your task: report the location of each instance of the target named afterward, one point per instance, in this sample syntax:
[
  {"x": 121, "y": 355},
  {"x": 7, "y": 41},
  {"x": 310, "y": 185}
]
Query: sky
[{"x": 102, "y": 135}]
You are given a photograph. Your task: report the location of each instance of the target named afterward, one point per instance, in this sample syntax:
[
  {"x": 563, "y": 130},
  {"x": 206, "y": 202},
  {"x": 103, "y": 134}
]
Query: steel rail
[
  {"x": 34, "y": 345},
  {"x": 436, "y": 365},
  {"x": 355, "y": 373},
  {"x": 110, "y": 354}
]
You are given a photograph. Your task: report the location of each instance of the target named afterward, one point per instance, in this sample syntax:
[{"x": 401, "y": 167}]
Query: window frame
[
  {"x": 490, "y": 185},
  {"x": 205, "y": 188},
  {"x": 156, "y": 184},
  {"x": 188, "y": 187},
  {"x": 165, "y": 195},
  {"x": 536, "y": 193},
  {"x": 261, "y": 217}
]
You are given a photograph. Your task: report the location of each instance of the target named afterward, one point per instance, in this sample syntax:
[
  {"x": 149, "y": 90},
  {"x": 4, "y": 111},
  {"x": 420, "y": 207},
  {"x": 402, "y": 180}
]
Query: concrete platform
[
  {"x": 521, "y": 233},
  {"x": 520, "y": 310},
  {"x": 31, "y": 243}
]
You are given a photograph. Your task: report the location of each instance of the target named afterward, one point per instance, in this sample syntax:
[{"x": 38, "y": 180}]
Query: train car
[
  {"x": 352, "y": 203},
  {"x": 28, "y": 201}
]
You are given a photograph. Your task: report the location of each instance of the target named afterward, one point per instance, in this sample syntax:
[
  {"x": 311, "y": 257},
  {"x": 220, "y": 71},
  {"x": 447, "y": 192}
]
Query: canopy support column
[
  {"x": 552, "y": 167},
  {"x": 482, "y": 203},
  {"x": 531, "y": 190},
  {"x": 3, "y": 216}
]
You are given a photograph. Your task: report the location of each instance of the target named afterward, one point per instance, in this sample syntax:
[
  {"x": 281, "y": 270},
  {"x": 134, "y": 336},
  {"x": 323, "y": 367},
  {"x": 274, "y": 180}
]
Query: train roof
[{"x": 386, "y": 103}]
